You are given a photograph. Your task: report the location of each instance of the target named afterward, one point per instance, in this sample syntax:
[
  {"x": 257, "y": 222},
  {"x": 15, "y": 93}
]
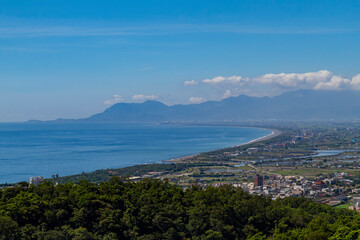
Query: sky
[{"x": 72, "y": 59}]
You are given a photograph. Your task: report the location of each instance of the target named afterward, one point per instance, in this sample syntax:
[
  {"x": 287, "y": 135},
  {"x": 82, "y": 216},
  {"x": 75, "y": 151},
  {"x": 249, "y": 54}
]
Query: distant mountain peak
[{"x": 296, "y": 105}]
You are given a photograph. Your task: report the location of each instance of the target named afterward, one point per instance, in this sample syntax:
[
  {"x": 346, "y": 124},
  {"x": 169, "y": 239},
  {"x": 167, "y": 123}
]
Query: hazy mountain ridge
[{"x": 297, "y": 105}]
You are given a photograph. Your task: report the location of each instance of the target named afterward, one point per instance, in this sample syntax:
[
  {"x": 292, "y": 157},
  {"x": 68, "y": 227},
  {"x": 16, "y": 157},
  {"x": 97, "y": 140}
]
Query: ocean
[{"x": 28, "y": 150}]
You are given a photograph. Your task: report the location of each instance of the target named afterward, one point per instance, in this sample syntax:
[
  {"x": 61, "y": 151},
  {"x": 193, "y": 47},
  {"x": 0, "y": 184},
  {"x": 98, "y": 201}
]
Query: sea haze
[{"x": 44, "y": 149}]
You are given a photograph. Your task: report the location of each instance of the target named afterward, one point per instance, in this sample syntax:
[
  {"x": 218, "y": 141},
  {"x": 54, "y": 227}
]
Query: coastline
[
  {"x": 273, "y": 134},
  {"x": 189, "y": 157}
]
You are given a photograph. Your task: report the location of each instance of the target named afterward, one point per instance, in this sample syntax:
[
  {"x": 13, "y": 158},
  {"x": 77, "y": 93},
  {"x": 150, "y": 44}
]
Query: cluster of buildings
[
  {"x": 35, "y": 180},
  {"x": 355, "y": 204},
  {"x": 277, "y": 186}
]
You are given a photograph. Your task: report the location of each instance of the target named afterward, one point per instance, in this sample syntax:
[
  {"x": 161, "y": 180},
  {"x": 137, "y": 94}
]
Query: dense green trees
[{"x": 153, "y": 209}]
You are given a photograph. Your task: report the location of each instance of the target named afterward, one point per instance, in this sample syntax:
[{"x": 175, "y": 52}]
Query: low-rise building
[{"x": 35, "y": 180}]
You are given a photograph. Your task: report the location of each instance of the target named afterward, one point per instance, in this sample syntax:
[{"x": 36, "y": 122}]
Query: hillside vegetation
[{"x": 154, "y": 209}]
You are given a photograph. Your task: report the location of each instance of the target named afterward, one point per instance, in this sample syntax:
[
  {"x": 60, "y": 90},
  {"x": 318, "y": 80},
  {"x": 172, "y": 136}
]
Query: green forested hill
[{"x": 154, "y": 209}]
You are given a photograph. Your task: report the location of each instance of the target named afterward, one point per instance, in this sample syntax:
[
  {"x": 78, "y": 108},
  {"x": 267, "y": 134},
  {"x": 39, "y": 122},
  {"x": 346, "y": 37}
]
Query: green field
[{"x": 345, "y": 206}]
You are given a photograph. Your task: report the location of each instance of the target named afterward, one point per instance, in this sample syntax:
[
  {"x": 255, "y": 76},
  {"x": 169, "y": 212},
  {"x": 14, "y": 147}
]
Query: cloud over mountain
[
  {"x": 142, "y": 97},
  {"x": 197, "y": 99},
  {"x": 293, "y": 105},
  {"x": 227, "y": 94},
  {"x": 299, "y": 80},
  {"x": 115, "y": 99},
  {"x": 272, "y": 84},
  {"x": 221, "y": 79}
]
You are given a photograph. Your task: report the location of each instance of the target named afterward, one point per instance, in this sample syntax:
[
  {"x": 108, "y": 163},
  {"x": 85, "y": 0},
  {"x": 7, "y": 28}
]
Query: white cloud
[
  {"x": 335, "y": 83},
  {"x": 227, "y": 94},
  {"x": 355, "y": 82},
  {"x": 197, "y": 99},
  {"x": 272, "y": 84},
  {"x": 309, "y": 79},
  {"x": 321, "y": 80},
  {"x": 221, "y": 79},
  {"x": 142, "y": 97},
  {"x": 190, "y": 83},
  {"x": 115, "y": 99}
]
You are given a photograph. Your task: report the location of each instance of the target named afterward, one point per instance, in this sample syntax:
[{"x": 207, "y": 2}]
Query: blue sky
[{"x": 72, "y": 59}]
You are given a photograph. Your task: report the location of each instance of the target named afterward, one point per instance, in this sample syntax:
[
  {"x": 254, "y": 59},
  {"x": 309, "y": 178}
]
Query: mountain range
[{"x": 296, "y": 105}]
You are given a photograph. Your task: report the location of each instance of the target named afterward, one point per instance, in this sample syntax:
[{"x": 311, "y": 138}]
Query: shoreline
[
  {"x": 188, "y": 157},
  {"x": 274, "y": 133}
]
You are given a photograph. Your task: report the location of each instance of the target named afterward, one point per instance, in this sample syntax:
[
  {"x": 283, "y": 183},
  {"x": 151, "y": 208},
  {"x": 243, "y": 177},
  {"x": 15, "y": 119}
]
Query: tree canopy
[{"x": 155, "y": 209}]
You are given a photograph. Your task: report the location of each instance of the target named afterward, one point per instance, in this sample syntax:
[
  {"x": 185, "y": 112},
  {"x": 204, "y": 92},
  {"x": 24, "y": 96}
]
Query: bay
[{"x": 28, "y": 150}]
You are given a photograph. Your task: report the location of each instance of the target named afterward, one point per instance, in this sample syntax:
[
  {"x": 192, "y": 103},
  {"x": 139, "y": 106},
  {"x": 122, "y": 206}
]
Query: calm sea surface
[{"x": 44, "y": 149}]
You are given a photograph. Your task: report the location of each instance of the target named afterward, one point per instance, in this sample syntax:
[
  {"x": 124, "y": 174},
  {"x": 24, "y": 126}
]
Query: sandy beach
[{"x": 273, "y": 134}]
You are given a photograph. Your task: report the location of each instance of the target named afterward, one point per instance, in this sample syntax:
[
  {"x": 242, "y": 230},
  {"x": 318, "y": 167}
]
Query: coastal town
[{"x": 318, "y": 161}]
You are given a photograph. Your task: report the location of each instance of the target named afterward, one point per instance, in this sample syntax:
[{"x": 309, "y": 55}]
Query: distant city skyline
[{"x": 71, "y": 59}]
